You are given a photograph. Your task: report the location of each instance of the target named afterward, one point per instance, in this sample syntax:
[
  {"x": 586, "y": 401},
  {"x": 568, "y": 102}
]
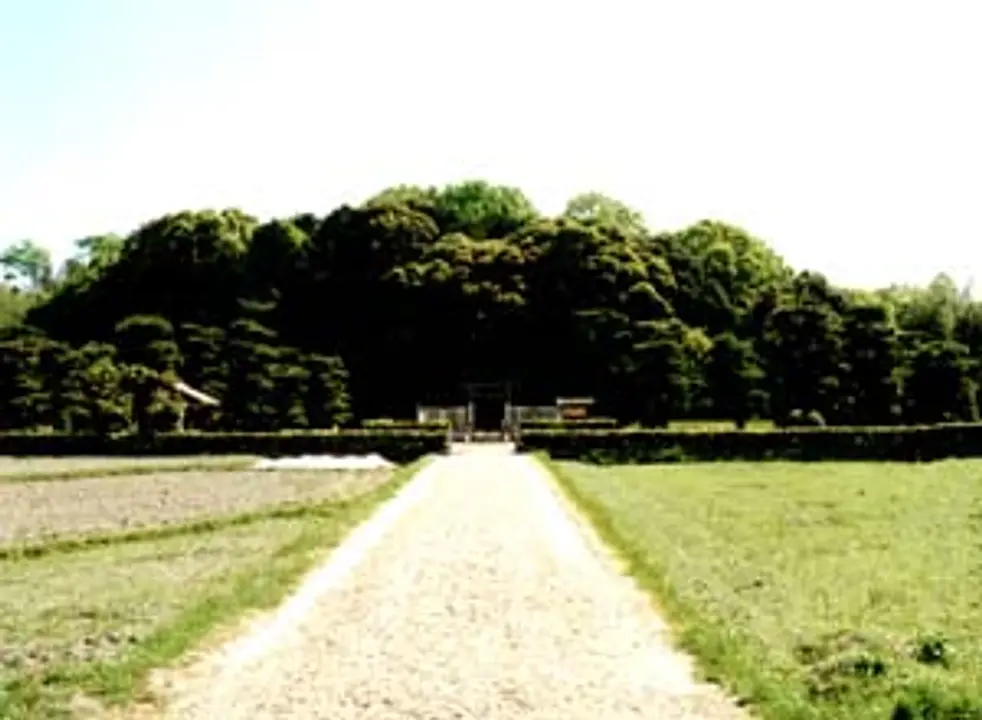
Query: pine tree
[
  {"x": 328, "y": 403},
  {"x": 205, "y": 368},
  {"x": 290, "y": 387},
  {"x": 252, "y": 356},
  {"x": 148, "y": 349}
]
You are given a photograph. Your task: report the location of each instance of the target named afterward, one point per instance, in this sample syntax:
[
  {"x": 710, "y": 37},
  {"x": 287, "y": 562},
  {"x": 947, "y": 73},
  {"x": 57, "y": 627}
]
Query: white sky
[{"x": 847, "y": 135}]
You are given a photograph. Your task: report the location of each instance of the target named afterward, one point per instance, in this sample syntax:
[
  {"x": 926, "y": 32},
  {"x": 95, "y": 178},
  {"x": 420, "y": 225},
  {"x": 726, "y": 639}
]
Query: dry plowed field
[{"x": 32, "y": 511}]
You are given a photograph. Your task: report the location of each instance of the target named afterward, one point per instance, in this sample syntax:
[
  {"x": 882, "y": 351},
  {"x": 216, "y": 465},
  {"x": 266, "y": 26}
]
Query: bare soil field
[
  {"x": 21, "y": 468},
  {"x": 35, "y": 511}
]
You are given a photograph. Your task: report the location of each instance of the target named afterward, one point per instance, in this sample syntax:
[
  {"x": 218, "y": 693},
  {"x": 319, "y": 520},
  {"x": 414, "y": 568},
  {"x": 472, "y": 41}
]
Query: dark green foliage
[
  {"x": 148, "y": 341},
  {"x": 327, "y": 403},
  {"x": 939, "y": 387},
  {"x": 805, "y": 349},
  {"x": 205, "y": 368},
  {"x": 422, "y": 289},
  {"x": 572, "y": 424},
  {"x": 871, "y": 358},
  {"x": 52, "y": 386},
  {"x": 394, "y": 424},
  {"x": 668, "y": 358},
  {"x": 150, "y": 355},
  {"x": 290, "y": 382},
  {"x": 27, "y": 263},
  {"x": 910, "y": 444},
  {"x": 14, "y": 304},
  {"x": 395, "y": 445},
  {"x": 253, "y": 356},
  {"x": 27, "y": 404},
  {"x": 733, "y": 377},
  {"x": 104, "y": 405}
]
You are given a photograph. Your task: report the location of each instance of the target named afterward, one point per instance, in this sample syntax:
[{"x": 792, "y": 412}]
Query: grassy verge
[
  {"x": 39, "y": 470},
  {"x": 90, "y": 625},
  {"x": 829, "y": 590}
]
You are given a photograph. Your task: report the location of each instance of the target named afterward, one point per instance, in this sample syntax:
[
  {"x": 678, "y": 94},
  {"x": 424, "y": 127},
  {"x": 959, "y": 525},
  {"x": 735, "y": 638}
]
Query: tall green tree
[
  {"x": 733, "y": 377},
  {"x": 805, "y": 350},
  {"x": 14, "y": 305},
  {"x": 205, "y": 368},
  {"x": 872, "y": 357},
  {"x": 939, "y": 387},
  {"x": 147, "y": 346},
  {"x": 252, "y": 356},
  {"x": 99, "y": 384},
  {"x": 24, "y": 389},
  {"x": 482, "y": 210},
  {"x": 28, "y": 263},
  {"x": 327, "y": 402},
  {"x": 670, "y": 365},
  {"x": 597, "y": 208},
  {"x": 290, "y": 386}
]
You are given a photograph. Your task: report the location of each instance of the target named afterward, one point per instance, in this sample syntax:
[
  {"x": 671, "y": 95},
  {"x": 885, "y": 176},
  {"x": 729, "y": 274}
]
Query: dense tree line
[{"x": 405, "y": 297}]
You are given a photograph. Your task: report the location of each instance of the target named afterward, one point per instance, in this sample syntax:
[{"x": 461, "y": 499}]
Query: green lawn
[{"x": 826, "y": 590}]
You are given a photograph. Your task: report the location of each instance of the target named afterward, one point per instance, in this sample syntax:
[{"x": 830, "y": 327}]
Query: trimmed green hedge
[
  {"x": 594, "y": 423},
  {"x": 910, "y": 444},
  {"x": 394, "y": 424},
  {"x": 396, "y": 445}
]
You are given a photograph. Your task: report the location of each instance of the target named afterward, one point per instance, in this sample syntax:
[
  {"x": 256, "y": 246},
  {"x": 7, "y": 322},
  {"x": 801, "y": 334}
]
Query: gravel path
[{"x": 473, "y": 594}]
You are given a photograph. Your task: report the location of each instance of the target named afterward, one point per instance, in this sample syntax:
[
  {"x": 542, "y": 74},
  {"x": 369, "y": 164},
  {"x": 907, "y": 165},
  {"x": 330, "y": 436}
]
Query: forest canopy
[{"x": 365, "y": 311}]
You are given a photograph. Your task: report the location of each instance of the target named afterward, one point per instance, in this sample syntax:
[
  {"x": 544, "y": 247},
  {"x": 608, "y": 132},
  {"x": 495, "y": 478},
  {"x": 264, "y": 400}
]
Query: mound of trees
[{"x": 401, "y": 299}]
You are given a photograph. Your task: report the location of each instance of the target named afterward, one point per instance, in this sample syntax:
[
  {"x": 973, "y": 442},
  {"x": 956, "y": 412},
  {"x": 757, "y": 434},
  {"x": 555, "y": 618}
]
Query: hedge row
[
  {"x": 400, "y": 424},
  {"x": 593, "y": 423},
  {"x": 910, "y": 443},
  {"x": 396, "y": 445}
]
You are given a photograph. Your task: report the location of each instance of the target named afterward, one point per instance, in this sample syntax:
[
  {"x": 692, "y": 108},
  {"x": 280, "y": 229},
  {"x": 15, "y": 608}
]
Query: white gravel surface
[{"x": 472, "y": 594}]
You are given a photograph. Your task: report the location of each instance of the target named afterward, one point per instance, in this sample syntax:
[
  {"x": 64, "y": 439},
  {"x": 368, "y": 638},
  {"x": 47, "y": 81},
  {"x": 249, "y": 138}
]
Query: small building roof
[{"x": 184, "y": 389}]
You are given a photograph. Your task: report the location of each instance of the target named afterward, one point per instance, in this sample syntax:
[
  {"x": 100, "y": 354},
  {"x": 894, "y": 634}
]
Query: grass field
[
  {"x": 80, "y": 628},
  {"x": 812, "y": 591}
]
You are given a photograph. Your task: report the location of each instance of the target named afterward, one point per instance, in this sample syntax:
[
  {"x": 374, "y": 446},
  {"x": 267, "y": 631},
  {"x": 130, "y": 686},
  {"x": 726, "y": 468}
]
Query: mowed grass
[
  {"x": 82, "y": 629},
  {"x": 823, "y": 590}
]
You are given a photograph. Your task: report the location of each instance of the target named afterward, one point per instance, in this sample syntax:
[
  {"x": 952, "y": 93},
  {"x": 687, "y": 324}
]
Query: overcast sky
[{"x": 847, "y": 135}]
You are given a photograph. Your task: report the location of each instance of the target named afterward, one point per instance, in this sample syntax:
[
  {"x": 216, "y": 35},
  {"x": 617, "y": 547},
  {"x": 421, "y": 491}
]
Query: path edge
[
  {"x": 607, "y": 544},
  {"x": 247, "y": 638}
]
